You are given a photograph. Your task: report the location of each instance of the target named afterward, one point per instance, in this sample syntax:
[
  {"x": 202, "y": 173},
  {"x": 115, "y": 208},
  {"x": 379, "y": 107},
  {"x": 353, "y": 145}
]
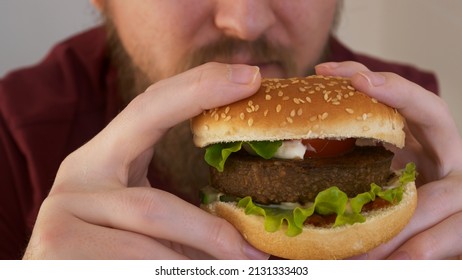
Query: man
[{"x": 89, "y": 211}]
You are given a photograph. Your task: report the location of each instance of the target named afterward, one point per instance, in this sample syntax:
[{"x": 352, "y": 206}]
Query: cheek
[{"x": 155, "y": 42}]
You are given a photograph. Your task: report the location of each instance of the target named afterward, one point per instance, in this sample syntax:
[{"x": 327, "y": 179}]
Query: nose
[{"x": 244, "y": 19}]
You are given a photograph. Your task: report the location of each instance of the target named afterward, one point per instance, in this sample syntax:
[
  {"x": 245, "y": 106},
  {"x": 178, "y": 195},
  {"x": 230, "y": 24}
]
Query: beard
[{"x": 178, "y": 165}]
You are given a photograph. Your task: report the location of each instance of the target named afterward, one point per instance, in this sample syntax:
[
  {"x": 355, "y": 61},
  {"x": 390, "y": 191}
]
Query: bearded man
[{"x": 108, "y": 109}]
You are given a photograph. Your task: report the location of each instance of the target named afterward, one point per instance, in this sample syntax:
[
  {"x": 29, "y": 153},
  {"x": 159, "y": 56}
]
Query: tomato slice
[{"x": 327, "y": 147}]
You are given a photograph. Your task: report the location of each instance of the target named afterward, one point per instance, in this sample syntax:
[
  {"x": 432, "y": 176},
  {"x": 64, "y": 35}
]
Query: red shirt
[{"x": 49, "y": 110}]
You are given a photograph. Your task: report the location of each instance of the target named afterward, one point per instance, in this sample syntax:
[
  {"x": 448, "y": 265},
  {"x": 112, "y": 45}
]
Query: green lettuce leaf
[
  {"x": 265, "y": 149},
  {"x": 329, "y": 201},
  {"x": 217, "y": 154}
]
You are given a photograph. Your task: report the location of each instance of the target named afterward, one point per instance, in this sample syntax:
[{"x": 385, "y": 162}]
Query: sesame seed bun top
[{"x": 300, "y": 108}]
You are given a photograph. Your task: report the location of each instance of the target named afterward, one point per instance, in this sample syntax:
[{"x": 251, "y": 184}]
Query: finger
[
  {"x": 439, "y": 242},
  {"x": 149, "y": 211},
  {"x": 427, "y": 115},
  {"x": 162, "y": 106},
  {"x": 436, "y": 202},
  {"x": 65, "y": 236},
  {"x": 342, "y": 69},
  {"x": 179, "y": 98}
]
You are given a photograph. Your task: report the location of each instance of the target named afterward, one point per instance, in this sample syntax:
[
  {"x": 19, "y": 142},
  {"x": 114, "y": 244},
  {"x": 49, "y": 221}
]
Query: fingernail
[
  {"x": 326, "y": 66},
  {"x": 253, "y": 253},
  {"x": 242, "y": 74},
  {"x": 401, "y": 255},
  {"x": 330, "y": 65},
  {"x": 373, "y": 79}
]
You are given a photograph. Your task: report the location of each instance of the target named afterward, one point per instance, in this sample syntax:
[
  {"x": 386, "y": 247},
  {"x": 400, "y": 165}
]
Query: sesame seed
[
  {"x": 280, "y": 93},
  {"x": 206, "y": 127},
  {"x": 227, "y": 118},
  {"x": 250, "y": 103},
  {"x": 308, "y": 99},
  {"x": 374, "y": 100},
  {"x": 227, "y": 110},
  {"x": 285, "y": 98},
  {"x": 313, "y": 118},
  {"x": 300, "y": 112},
  {"x": 249, "y": 110},
  {"x": 324, "y": 116},
  {"x": 242, "y": 116},
  {"x": 265, "y": 113},
  {"x": 351, "y": 93},
  {"x": 289, "y": 120},
  {"x": 250, "y": 121},
  {"x": 216, "y": 117},
  {"x": 278, "y": 108},
  {"x": 268, "y": 97},
  {"x": 292, "y": 113},
  {"x": 349, "y": 110},
  {"x": 301, "y": 89}
]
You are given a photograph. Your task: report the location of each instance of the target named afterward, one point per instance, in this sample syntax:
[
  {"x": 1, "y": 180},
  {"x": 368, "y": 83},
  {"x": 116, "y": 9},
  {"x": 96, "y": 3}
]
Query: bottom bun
[{"x": 322, "y": 243}]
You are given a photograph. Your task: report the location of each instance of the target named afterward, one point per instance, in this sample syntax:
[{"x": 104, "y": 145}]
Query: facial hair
[{"x": 177, "y": 163}]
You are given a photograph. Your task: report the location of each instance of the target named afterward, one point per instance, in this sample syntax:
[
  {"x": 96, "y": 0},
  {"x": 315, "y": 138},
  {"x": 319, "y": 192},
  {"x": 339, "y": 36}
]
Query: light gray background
[
  {"x": 28, "y": 28},
  {"x": 425, "y": 33}
]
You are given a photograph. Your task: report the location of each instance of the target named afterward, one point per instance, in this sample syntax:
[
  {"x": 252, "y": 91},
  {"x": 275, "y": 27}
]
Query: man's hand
[{"x": 102, "y": 205}]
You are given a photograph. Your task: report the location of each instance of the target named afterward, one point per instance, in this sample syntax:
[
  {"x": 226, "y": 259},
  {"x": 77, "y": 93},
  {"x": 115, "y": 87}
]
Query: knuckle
[
  {"x": 52, "y": 233},
  {"x": 143, "y": 204},
  {"x": 427, "y": 246},
  {"x": 201, "y": 79}
]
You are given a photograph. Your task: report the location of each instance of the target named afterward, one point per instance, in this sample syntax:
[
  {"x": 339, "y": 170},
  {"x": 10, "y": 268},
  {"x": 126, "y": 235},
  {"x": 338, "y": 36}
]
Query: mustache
[{"x": 226, "y": 48}]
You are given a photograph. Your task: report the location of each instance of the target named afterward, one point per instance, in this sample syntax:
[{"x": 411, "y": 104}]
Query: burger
[{"x": 301, "y": 170}]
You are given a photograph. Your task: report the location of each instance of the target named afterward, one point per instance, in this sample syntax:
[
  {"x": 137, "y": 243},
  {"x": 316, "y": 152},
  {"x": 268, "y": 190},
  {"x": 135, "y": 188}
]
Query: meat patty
[{"x": 281, "y": 180}]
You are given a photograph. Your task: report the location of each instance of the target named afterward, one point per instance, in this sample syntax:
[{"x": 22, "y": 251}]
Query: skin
[
  {"x": 160, "y": 35},
  {"x": 101, "y": 204}
]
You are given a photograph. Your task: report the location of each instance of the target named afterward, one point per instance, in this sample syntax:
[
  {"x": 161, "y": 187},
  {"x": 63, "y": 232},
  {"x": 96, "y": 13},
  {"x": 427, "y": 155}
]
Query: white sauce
[{"x": 291, "y": 149}]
